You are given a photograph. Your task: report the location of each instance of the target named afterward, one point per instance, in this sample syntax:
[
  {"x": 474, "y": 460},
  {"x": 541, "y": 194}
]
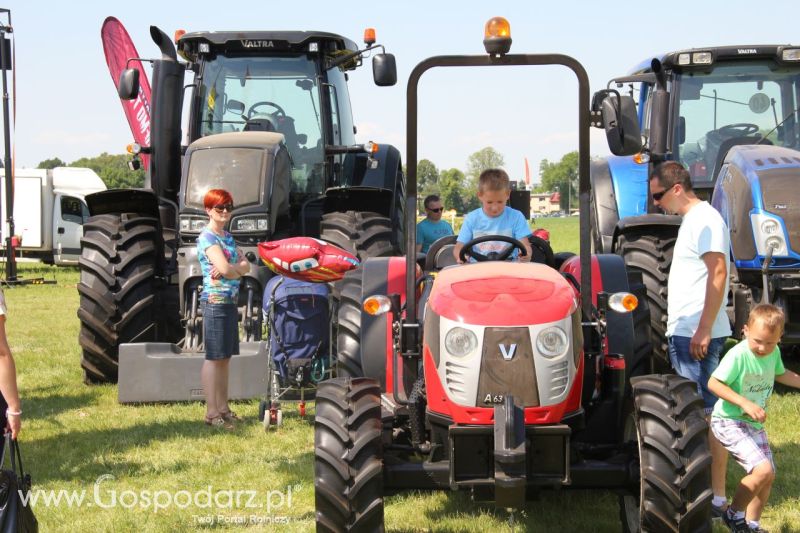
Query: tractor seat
[
  {"x": 440, "y": 254},
  {"x": 259, "y": 123}
]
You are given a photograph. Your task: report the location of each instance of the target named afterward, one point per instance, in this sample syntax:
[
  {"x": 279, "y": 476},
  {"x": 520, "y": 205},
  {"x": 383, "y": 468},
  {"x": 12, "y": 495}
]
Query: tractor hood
[
  {"x": 756, "y": 197},
  {"x": 502, "y": 294}
]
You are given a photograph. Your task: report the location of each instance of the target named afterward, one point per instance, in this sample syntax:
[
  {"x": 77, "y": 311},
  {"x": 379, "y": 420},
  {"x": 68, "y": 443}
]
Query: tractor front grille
[
  {"x": 507, "y": 366},
  {"x": 559, "y": 378},
  {"x": 456, "y": 378}
]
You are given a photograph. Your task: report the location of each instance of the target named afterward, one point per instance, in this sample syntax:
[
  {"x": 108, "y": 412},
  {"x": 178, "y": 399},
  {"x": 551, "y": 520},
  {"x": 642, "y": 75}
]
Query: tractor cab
[{"x": 731, "y": 116}]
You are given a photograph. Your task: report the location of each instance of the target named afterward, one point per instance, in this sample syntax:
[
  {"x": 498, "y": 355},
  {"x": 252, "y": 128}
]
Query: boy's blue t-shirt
[
  {"x": 748, "y": 375},
  {"x": 429, "y": 232},
  {"x": 510, "y": 223},
  {"x": 222, "y": 290}
]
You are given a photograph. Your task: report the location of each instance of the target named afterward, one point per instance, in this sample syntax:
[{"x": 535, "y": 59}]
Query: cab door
[{"x": 69, "y": 214}]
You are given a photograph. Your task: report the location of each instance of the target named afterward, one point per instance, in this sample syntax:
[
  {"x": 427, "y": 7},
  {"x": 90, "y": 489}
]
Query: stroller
[{"x": 297, "y": 321}]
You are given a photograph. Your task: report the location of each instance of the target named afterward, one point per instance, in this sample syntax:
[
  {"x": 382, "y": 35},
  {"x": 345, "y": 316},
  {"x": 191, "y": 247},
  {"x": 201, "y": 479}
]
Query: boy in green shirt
[{"x": 743, "y": 381}]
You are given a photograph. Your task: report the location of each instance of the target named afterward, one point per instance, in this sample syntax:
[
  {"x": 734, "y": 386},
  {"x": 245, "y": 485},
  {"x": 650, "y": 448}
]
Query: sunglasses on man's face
[
  {"x": 657, "y": 196},
  {"x": 437, "y": 210},
  {"x": 223, "y": 207}
]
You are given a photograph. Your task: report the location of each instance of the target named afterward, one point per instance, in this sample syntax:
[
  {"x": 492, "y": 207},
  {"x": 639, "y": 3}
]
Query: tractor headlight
[
  {"x": 250, "y": 223},
  {"x": 189, "y": 224},
  {"x": 768, "y": 232},
  {"x": 776, "y": 243},
  {"x": 459, "y": 342},
  {"x": 552, "y": 342},
  {"x": 770, "y": 226}
]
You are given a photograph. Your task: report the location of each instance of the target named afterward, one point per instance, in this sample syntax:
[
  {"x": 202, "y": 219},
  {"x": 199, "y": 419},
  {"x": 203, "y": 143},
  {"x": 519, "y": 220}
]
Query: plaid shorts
[{"x": 746, "y": 443}]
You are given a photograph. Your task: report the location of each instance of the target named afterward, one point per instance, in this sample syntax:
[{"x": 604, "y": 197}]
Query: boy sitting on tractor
[{"x": 494, "y": 217}]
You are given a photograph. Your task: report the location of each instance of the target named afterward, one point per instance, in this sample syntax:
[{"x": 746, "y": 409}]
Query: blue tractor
[{"x": 730, "y": 116}]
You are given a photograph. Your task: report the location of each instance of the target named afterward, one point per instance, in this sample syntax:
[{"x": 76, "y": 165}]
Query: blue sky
[{"x": 67, "y": 105}]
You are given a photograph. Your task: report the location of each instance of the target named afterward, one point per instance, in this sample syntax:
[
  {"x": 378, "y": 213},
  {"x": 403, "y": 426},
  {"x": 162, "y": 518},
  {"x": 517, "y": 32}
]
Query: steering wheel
[
  {"x": 467, "y": 250},
  {"x": 278, "y": 109},
  {"x": 740, "y": 129}
]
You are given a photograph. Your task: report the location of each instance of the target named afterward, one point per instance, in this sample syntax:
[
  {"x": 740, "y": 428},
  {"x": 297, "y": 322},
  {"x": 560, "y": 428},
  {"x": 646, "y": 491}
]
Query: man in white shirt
[{"x": 697, "y": 324}]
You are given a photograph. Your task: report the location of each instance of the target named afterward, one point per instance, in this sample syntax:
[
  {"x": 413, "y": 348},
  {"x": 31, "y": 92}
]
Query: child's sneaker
[
  {"x": 736, "y": 525},
  {"x": 758, "y": 529},
  {"x": 717, "y": 511}
]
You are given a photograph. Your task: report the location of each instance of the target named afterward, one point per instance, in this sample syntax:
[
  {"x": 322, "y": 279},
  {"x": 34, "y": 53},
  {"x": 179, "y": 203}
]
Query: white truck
[{"x": 49, "y": 212}]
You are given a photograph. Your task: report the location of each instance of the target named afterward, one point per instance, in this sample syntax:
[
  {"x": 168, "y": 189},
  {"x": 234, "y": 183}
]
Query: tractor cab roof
[
  {"x": 262, "y": 42},
  {"x": 678, "y": 59}
]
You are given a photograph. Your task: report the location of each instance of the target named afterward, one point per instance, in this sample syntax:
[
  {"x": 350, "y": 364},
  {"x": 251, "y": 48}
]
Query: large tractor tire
[
  {"x": 667, "y": 426},
  {"x": 363, "y": 234},
  {"x": 119, "y": 261},
  {"x": 651, "y": 254},
  {"x": 348, "y": 467},
  {"x": 348, "y": 337}
]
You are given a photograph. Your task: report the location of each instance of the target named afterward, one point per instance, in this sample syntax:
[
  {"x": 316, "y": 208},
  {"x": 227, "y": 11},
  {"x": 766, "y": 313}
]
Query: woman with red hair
[{"x": 222, "y": 264}]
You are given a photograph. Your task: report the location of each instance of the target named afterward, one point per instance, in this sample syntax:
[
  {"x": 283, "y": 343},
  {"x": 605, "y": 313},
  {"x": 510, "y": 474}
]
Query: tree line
[{"x": 457, "y": 189}]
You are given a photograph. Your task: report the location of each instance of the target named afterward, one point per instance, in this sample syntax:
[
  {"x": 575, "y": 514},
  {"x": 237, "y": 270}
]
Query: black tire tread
[
  {"x": 363, "y": 234},
  {"x": 348, "y": 468},
  {"x": 348, "y": 337},
  {"x": 675, "y": 461},
  {"x": 117, "y": 289}
]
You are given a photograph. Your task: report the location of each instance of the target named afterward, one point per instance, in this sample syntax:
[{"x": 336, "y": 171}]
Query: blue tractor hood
[{"x": 758, "y": 184}]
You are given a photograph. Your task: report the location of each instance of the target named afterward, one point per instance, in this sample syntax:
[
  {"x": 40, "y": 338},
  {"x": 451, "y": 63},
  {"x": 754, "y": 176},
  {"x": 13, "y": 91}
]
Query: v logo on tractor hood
[{"x": 508, "y": 353}]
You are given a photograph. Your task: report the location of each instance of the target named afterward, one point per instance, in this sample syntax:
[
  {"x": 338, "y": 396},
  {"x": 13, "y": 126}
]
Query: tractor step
[{"x": 161, "y": 372}]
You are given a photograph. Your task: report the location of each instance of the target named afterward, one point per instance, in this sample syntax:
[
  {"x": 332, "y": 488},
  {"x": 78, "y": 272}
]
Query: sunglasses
[
  {"x": 657, "y": 196},
  {"x": 437, "y": 210},
  {"x": 225, "y": 207}
]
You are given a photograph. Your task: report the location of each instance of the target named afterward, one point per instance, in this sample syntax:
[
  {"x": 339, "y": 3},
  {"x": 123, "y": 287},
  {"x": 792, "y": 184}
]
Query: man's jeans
[{"x": 698, "y": 371}]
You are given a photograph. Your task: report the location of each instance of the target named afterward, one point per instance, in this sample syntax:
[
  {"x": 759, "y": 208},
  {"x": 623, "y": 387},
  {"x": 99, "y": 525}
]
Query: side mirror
[
  {"x": 128, "y": 87},
  {"x": 235, "y": 106},
  {"x": 621, "y": 124},
  {"x": 384, "y": 70}
]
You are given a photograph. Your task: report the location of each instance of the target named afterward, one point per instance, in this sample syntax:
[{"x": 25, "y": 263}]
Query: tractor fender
[
  {"x": 386, "y": 276},
  {"x": 114, "y": 201},
  {"x": 609, "y": 275},
  {"x": 645, "y": 224},
  {"x": 604, "y": 213},
  {"x": 381, "y": 173},
  {"x": 627, "y": 333},
  {"x": 377, "y": 185}
]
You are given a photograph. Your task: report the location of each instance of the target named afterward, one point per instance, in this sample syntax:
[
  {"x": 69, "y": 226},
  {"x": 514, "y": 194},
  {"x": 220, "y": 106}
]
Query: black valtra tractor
[
  {"x": 269, "y": 119},
  {"x": 731, "y": 116},
  {"x": 502, "y": 378}
]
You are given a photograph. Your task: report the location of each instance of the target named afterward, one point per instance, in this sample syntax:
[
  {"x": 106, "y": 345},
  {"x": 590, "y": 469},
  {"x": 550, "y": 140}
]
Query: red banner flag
[{"x": 118, "y": 48}]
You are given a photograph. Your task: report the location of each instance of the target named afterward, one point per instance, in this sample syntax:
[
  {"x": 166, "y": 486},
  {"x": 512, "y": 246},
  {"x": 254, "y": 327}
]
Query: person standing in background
[
  {"x": 222, "y": 264},
  {"x": 697, "y": 324},
  {"x": 433, "y": 227}
]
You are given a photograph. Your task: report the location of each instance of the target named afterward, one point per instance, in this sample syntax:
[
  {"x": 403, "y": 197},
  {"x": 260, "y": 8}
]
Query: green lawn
[{"x": 78, "y": 438}]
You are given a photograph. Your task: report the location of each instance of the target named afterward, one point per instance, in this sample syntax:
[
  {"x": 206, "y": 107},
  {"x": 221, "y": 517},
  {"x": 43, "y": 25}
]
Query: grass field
[{"x": 159, "y": 468}]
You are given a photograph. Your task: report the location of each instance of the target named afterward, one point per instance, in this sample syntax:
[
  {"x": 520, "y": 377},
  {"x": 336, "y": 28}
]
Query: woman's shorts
[
  {"x": 220, "y": 330},
  {"x": 746, "y": 443}
]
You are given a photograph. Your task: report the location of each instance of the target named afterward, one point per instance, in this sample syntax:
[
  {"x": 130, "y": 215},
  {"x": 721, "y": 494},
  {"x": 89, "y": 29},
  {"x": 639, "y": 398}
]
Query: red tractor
[{"x": 503, "y": 378}]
